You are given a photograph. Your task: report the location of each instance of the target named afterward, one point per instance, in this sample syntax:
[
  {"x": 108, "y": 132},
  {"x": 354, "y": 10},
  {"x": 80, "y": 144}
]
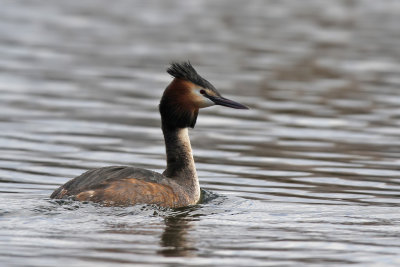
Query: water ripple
[{"x": 308, "y": 176}]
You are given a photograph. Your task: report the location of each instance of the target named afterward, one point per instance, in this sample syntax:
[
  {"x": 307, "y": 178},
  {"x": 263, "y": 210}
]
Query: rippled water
[{"x": 309, "y": 176}]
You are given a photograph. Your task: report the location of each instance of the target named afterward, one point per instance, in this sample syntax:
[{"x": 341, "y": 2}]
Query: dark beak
[{"x": 222, "y": 101}]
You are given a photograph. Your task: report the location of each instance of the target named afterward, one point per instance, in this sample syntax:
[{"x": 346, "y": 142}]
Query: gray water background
[{"x": 309, "y": 176}]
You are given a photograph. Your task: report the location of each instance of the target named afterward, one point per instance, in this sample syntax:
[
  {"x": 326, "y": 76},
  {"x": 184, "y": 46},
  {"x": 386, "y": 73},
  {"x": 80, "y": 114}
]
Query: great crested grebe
[{"x": 178, "y": 186}]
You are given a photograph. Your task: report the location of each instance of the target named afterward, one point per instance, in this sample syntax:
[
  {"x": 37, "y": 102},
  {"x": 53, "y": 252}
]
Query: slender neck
[{"x": 180, "y": 162}]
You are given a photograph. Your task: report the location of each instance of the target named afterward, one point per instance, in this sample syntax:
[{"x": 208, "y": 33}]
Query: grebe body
[{"x": 178, "y": 186}]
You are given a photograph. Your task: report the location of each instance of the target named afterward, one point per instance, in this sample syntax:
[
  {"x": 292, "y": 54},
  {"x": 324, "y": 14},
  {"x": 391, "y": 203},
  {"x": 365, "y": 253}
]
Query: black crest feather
[{"x": 185, "y": 71}]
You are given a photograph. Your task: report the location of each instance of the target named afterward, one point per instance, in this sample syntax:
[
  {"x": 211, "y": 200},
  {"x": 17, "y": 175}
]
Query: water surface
[{"x": 308, "y": 177}]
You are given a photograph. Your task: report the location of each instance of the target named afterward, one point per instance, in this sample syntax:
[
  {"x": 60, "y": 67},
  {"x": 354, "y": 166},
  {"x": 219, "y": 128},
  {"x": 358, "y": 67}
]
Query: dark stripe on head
[{"x": 185, "y": 71}]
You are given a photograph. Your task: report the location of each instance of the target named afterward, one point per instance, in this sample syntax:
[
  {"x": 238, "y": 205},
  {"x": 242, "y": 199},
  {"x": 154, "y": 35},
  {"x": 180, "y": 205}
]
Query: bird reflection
[{"x": 175, "y": 240}]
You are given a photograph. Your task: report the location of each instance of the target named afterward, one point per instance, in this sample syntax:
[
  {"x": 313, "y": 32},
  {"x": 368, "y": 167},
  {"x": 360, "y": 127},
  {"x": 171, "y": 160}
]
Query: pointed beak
[{"x": 222, "y": 101}]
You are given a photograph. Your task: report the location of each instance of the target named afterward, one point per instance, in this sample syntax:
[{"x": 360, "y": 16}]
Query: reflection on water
[
  {"x": 308, "y": 176},
  {"x": 175, "y": 240}
]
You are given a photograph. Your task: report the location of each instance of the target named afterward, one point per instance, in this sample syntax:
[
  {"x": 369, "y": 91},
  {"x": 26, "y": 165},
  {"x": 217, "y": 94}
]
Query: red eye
[{"x": 203, "y": 92}]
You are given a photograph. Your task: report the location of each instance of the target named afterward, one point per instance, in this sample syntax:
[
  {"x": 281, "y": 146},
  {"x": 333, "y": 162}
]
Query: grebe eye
[{"x": 203, "y": 92}]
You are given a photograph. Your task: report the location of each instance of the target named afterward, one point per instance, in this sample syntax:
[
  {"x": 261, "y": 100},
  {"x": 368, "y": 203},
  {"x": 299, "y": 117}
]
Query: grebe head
[{"x": 186, "y": 94}]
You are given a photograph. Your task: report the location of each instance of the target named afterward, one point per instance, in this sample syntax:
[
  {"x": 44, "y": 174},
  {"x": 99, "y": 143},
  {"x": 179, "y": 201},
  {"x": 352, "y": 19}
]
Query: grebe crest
[{"x": 186, "y": 94}]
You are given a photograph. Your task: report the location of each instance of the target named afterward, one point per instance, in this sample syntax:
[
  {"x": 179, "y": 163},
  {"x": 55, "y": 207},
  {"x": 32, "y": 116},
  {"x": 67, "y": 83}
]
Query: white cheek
[
  {"x": 206, "y": 103},
  {"x": 201, "y": 101}
]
